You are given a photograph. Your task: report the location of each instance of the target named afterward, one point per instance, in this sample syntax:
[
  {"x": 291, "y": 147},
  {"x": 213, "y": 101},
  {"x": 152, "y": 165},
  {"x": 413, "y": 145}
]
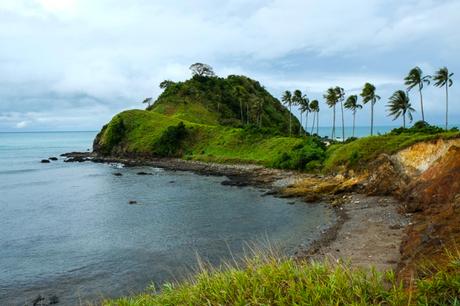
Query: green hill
[
  {"x": 230, "y": 119},
  {"x": 233, "y": 101}
]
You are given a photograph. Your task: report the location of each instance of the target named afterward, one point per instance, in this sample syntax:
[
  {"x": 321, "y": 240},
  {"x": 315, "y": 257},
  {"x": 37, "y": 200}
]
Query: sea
[{"x": 67, "y": 230}]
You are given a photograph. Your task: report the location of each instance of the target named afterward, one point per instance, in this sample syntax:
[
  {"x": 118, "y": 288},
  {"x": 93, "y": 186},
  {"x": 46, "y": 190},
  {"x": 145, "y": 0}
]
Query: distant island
[{"x": 236, "y": 121}]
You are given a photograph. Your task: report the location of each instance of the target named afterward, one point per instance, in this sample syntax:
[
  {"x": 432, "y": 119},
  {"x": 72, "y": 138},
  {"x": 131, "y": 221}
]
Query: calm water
[{"x": 67, "y": 229}]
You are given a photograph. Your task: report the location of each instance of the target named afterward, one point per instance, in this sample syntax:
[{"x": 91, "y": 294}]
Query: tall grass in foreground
[{"x": 266, "y": 280}]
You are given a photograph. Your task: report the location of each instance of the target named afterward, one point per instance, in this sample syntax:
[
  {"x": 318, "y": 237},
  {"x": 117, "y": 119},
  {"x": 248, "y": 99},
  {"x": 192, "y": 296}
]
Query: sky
[{"x": 74, "y": 64}]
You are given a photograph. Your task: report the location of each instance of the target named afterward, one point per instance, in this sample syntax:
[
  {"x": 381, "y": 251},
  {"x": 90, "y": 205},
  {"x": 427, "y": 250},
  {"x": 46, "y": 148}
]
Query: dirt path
[{"x": 371, "y": 235}]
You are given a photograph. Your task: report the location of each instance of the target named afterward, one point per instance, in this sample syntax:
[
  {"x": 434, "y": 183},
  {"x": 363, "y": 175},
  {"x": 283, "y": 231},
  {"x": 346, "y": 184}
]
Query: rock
[
  {"x": 237, "y": 183},
  {"x": 45, "y": 161},
  {"x": 172, "y": 182},
  {"x": 38, "y": 301},
  {"x": 132, "y": 202},
  {"x": 53, "y": 299},
  {"x": 395, "y": 226},
  {"x": 53, "y": 158},
  {"x": 143, "y": 173},
  {"x": 117, "y": 174}
]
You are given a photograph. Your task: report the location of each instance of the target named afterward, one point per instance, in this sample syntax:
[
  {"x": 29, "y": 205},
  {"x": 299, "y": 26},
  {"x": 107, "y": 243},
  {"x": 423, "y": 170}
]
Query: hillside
[
  {"x": 233, "y": 101},
  {"x": 201, "y": 119}
]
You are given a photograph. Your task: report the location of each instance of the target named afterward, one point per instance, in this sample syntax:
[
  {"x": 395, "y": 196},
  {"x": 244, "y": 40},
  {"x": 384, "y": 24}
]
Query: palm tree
[
  {"x": 331, "y": 101},
  {"x": 287, "y": 100},
  {"x": 444, "y": 78},
  {"x": 297, "y": 99},
  {"x": 399, "y": 105},
  {"x": 147, "y": 101},
  {"x": 304, "y": 107},
  {"x": 368, "y": 95},
  {"x": 340, "y": 93},
  {"x": 314, "y": 107},
  {"x": 416, "y": 78},
  {"x": 353, "y": 105}
]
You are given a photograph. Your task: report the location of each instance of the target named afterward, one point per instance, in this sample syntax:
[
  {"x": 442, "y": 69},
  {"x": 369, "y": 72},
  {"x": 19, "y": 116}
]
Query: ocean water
[{"x": 67, "y": 229}]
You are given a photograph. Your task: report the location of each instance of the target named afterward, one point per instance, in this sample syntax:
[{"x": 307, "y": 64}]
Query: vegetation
[
  {"x": 360, "y": 152},
  {"x": 268, "y": 280},
  {"x": 368, "y": 95},
  {"x": 399, "y": 105},
  {"x": 416, "y": 78},
  {"x": 353, "y": 105},
  {"x": 444, "y": 78}
]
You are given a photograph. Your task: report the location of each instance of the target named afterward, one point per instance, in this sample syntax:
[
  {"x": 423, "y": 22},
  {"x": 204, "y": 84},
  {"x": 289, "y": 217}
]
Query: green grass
[
  {"x": 360, "y": 152},
  {"x": 266, "y": 280},
  {"x": 137, "y": 131}
]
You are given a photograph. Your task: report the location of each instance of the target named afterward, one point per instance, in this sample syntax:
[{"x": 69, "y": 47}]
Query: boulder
[{"x": 45, "y": 161}]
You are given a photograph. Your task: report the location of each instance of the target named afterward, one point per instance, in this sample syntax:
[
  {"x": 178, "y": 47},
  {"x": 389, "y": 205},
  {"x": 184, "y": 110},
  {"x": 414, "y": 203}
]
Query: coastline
[{"x": 364, "y": 225}]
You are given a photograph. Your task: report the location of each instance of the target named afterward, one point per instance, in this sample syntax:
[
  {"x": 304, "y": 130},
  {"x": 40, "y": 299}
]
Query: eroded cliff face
[{"x": 426, "y": 178}]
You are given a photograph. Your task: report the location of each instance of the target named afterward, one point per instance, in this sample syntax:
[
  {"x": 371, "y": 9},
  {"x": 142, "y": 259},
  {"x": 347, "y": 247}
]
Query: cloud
[
  {"x": 21, "y": 125},
  {"x": 61, "y": 56}
]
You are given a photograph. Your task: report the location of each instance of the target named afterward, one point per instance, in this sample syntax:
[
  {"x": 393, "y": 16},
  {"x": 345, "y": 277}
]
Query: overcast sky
[{"x": 73, "y": 64}]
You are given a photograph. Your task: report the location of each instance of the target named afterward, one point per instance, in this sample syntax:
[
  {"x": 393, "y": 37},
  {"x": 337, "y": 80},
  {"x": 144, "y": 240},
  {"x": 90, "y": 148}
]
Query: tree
[
  {"x": 202, "y": 70},
  {"x": 353, "y": 105},
  {"x": 399, "y": 105},
  {"x": 258, "y": 105},
  {"x": 240, "y": 93},
  {"x": 299, "y": 99},
  {"x": 304, "y": 107},
  {"x": 165, "y": 84},
  {"x": 147, "y": 101},
  {"x": 331, "y": 101},
  {"x": 368, "y": 95},
  {"x": 287, "y": 100},
  {"x": 314, "y": 107},
  {"x": 442, "y": 78},
  {"x": 340, "y": 96},
  {"x": 416, "y": 78}
]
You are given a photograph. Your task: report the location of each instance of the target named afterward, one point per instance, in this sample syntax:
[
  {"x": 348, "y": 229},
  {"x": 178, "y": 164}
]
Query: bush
[
  {"x": 308, "y": 156},
  {"x": 420, "y": 127},
  {"x": 170, "y": 142}
]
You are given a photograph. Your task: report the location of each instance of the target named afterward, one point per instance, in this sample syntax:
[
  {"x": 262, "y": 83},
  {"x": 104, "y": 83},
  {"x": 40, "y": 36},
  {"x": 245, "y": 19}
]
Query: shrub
[
  {"x": 170, "y": 142},
  {"x": 308, "y": 156}
]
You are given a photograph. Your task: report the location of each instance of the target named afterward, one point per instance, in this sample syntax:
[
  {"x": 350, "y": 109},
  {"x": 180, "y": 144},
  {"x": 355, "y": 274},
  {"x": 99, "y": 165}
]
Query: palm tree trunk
[
  {"x": 404, "y": 120},
  {"x": 447, "y": 104},
  {"x": 290, "y": 121},
  {"x": 354, "y": 117},
  {"x": 313, "y": 125},
  {"x": 306, "y": 122},
  {"x": 300, "y": 127},
  {"x": 343, "y": 122},
  {"x": 421, "y": 102},
  {"x": 333, "y": 124},
  {"x": 241, "y": 111},
  {"x": 372, "y": 118},
  {"x": 317, "y": 124}
]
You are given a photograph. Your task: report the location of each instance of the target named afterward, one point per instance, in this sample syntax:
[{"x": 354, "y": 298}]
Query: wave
[{"x": 18, "y": 171}]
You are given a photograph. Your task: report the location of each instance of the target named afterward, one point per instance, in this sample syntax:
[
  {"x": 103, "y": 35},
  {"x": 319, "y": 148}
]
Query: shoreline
[{"x": 360, "y": 220}]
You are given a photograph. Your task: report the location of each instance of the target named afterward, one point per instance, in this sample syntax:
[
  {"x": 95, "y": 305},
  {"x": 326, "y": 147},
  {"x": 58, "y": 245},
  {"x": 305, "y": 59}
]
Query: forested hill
[{"x": 233, "y": 101}]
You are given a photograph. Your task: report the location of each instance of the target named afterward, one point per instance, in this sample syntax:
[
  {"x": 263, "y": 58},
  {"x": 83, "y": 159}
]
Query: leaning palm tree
[
  {"x": 331, "y": 101},
  {"x": 297, "y": 99},
  {"x": 416, "y": 78},
  {"x": 444, "y": 78},
  {"x": 287, "y": 100},
  {"x": 340, "y": 93},
  {"x": 353, "y": 105},
  {"x": 314, "y": 108},
  {"x": 399, "y": 105},
  {"x": 368, "y": 95},
  {"x": 304, "y": 107}
]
